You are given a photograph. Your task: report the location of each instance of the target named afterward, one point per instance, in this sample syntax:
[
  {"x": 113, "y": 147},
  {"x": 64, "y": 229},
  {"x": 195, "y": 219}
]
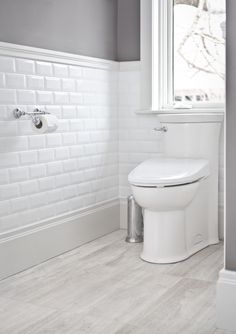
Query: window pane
[{"x": 199, "y": 51}]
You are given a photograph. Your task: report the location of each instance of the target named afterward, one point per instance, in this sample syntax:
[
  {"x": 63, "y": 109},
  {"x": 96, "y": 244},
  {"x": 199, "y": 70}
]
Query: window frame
[{"x": 157, "y": 60}]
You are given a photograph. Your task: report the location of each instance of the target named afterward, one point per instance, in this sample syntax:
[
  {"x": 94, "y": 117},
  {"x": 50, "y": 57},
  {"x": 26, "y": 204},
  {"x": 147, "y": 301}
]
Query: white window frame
[{"x": 157, "y": 60}]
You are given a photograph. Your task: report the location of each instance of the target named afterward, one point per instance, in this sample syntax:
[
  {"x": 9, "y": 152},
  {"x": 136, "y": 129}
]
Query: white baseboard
[
  {"x": 226, "y": 301},
  {"x": 123, "y": 213},
  {"x": 24, "y": 249}
]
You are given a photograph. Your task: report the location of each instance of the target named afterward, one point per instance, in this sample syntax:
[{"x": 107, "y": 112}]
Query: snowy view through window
[{"x": 199, "y": 51}]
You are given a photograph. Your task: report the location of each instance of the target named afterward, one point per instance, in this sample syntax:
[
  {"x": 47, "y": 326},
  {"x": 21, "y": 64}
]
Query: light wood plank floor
[{"x": 103, "y": 287}]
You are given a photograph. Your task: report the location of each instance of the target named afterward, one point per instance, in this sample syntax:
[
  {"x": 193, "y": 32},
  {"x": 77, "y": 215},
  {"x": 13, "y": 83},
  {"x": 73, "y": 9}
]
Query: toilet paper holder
[{"x": 18, "y": 113}]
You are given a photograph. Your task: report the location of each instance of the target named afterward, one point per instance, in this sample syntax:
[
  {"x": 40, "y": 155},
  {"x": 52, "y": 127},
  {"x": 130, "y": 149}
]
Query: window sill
[
  {"x": 174, "y": 111},
  {"x": 186, "y": 115}
]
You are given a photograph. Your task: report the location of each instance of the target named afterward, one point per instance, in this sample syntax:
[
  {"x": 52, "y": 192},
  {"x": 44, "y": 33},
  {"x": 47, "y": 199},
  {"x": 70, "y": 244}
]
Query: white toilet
[{"x": 179, "y": 191}]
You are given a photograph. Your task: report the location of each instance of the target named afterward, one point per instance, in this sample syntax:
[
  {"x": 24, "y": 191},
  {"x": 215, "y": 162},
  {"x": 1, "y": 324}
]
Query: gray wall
[
  {"x": 128, "y": 30},
  {"x": 231, "y": 138},
  {"x": 106, "y": 29},
  {"x": 85, "y": 27}
]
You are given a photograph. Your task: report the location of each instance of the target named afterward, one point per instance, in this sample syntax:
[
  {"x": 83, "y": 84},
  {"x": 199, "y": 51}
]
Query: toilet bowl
[
  {"x": 173, "y": 193},
  {"x": 178, "y": 192}
]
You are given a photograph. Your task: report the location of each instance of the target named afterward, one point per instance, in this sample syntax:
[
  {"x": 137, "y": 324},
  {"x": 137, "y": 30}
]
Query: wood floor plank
[
  {"x": 104, "y": 287},
  {"x": 188, "y": 307},
  {"x": 16, "y": 317},
  {"x": 200, "y": 264}
]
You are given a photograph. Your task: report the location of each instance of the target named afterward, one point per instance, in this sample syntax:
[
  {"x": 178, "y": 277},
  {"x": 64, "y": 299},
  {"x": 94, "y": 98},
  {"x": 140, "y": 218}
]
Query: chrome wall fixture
[
  {"x": 18, "y": 113},
  {"x": 161, "y": 129}
]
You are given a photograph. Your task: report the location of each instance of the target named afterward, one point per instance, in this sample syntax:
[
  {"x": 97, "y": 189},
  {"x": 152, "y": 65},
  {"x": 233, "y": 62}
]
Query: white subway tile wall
[
  {"x": 42, "y": 176},
  {"x": 137, "y": 140},
  {"x": 87, "y": 160}
]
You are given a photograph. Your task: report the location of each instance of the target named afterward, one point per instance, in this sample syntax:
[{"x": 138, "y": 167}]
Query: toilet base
[
  {"x": 175, "y": 259},
  {"x": 165, "y": 237}
]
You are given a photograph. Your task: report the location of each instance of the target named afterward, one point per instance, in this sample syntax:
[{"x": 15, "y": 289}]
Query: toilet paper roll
[{"x": 48, "y": 123}]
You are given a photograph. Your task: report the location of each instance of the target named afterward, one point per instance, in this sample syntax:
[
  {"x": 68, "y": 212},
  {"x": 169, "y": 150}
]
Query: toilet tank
[{"x": 192, "y": 135}]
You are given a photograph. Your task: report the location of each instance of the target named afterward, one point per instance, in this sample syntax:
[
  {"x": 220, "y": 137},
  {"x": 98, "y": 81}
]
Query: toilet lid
[{"x": 168, "y": 172}]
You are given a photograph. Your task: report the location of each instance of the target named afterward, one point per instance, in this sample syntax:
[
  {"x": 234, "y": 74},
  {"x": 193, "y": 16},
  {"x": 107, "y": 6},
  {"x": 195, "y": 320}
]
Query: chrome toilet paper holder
[{"x": 18, "y": 113}]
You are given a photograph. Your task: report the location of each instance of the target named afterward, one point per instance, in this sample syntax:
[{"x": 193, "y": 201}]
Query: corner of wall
[{"x": 226, "y": 301}]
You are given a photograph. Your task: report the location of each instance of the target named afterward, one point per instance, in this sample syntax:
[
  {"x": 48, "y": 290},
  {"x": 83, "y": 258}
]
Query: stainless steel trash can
[{"x": 135, "y": 221}]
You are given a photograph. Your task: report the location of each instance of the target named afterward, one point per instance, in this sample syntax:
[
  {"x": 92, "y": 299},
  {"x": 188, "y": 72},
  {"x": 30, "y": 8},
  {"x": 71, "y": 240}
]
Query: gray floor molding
[{"x": 23, "y": 249}]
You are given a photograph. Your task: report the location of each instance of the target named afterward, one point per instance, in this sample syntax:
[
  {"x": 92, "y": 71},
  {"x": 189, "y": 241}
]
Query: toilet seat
[{"x": 166, "y": 172}]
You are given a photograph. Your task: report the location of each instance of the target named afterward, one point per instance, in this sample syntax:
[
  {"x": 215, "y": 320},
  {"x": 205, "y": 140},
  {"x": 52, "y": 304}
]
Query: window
[
  {"x": 199, "y": 51},
  {"x": 183, "y": 54}
]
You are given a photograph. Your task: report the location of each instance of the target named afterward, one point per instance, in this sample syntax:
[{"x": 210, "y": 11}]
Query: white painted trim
[
  {"x": 225, "y": 187},
  {"x": 156, "y": 64},
  {"x": 179, "y": 111},
  {"x": 226, "y": 301},
  {"x": 145, "y": 54},
  {"x": 162, "y": 67},
  {"x": 38, "y": 244},
  {"x": 22, "y": 51},
  {"x": 157, "y": 59},
  {"x": 127, "y": 66}
]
